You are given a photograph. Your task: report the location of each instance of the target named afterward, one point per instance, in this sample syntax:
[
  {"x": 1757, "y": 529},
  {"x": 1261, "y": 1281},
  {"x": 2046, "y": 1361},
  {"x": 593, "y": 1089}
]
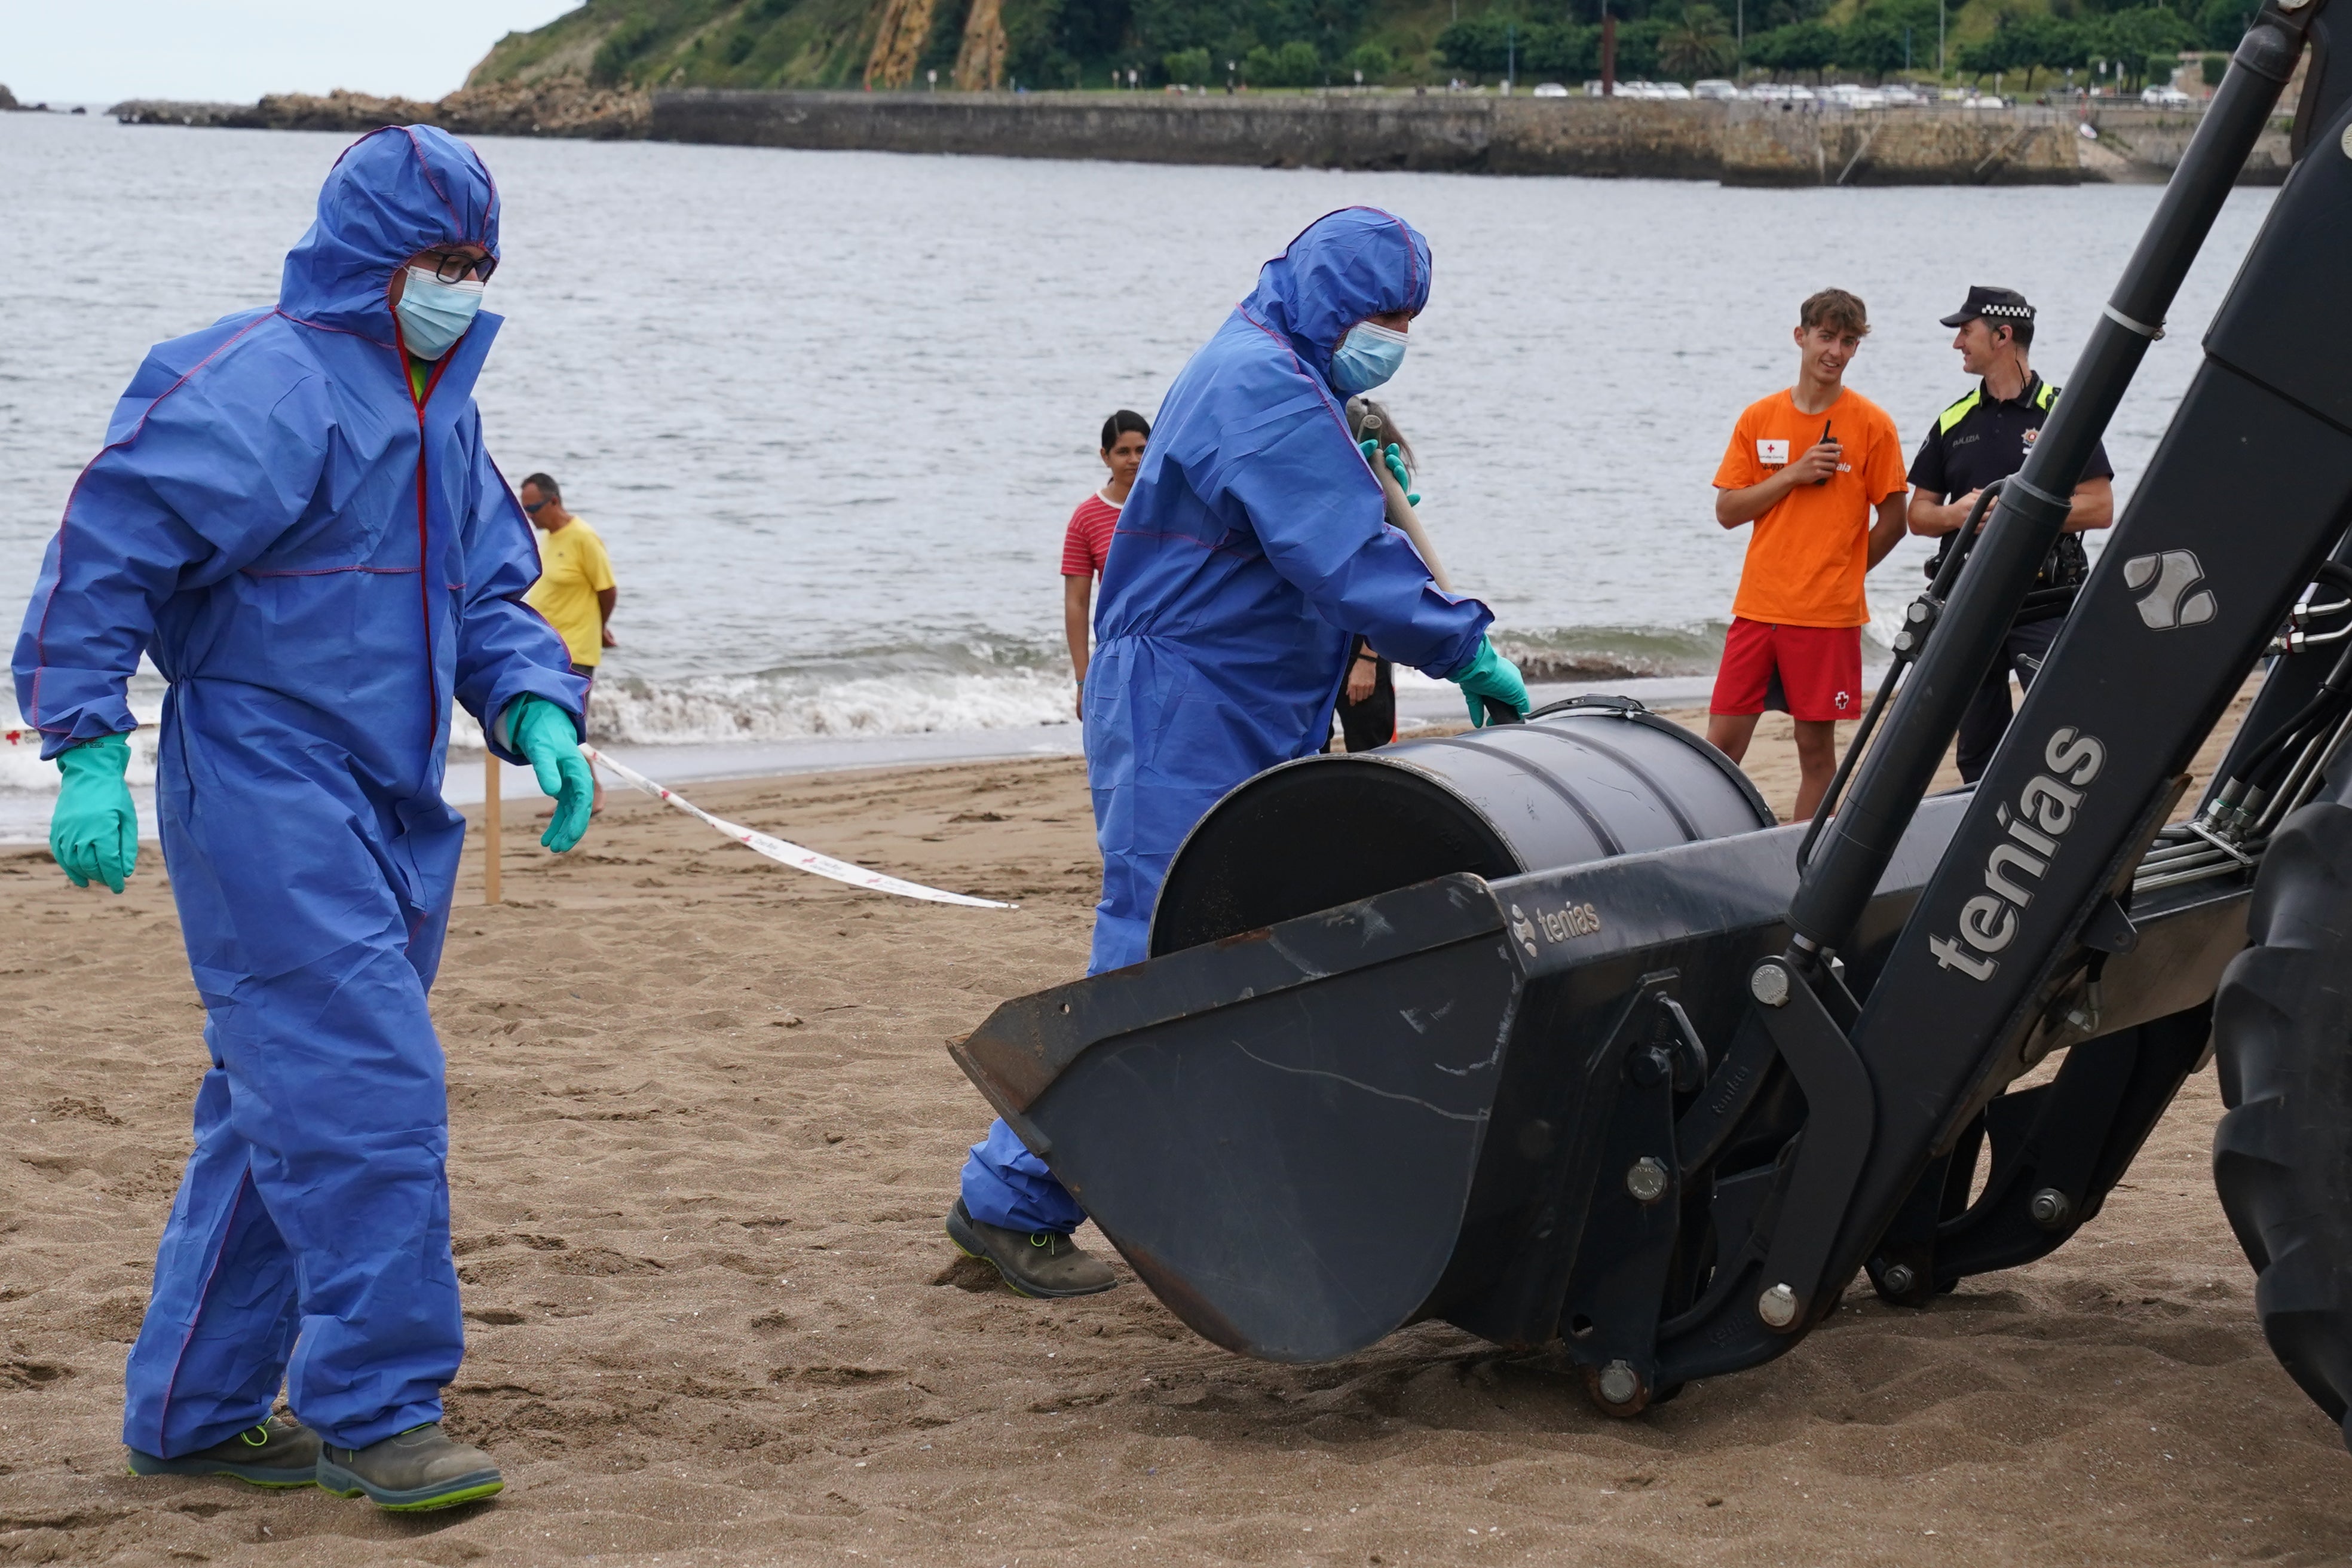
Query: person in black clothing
[
  {"x": 1366, "y": 705},
  {"x": 1368, "y": 700},
  {"x": 1982, "y": 438}
]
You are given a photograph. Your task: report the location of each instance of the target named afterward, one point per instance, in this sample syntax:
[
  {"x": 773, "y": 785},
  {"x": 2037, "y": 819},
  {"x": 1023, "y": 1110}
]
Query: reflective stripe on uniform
[{"x": 1957, "y": 412}]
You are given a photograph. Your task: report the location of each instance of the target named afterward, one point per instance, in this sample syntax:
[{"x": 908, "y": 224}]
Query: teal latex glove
[
  {"x": 94, "y": 832},
  {"x": 1395, "y": 458},
  {"x": 1490, "y": 675},
  {"x": 548, "y": 739}
]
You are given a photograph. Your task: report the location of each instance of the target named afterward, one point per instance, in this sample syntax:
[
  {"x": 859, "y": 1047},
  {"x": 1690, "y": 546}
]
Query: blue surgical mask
[
  {"x": 433, "y": 314},
  {"x": 1366, "y": 357}
]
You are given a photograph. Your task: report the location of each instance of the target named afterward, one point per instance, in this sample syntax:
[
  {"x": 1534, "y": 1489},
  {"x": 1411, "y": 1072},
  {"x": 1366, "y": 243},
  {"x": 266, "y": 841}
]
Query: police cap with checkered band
[{"x": 1996, "y": 305}]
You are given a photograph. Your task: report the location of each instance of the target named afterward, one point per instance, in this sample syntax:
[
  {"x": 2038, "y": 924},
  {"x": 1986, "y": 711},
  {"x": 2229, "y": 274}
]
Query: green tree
[
  {"x": 1300, "y": 64},
  {"x": 1187, "y": 65},
  {"x": 2221, "y": 23},
  {"x": 637, "y": 34},
  {"x": 1695, "y": 44},
  {"x": 1563, "y": 51},
  {"x": 1474, "y": 43},
  {"x": 1870, "y": 45},
  {"x": 1798, "y": 46},
  {"x": 1295, "y": 64},
  {"x": 2144, "y": 37},
  {"x": 1374, "y": 61}
]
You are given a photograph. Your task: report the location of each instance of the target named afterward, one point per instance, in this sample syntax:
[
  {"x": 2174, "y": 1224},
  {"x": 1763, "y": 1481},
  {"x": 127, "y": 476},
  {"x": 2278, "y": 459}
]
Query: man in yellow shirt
[{"x": 575, "y": 590}]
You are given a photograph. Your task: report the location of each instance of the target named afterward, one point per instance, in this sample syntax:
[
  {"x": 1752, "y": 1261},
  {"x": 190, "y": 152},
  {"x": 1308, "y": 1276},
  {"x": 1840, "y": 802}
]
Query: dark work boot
[
  {"x": 280, "y": 1452},
  {"x": 419, "y": 1469},
  {"x": 1033, "y": 1263}
]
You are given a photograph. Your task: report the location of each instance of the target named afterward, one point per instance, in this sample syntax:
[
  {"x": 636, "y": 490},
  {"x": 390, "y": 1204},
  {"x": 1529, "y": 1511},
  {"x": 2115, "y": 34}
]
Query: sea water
[{"x": 831, "y": 411}]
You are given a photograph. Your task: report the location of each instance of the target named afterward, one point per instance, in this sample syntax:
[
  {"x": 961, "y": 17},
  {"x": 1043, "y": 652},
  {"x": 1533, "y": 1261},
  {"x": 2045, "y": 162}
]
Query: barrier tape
[{"x": 791, "y": 855}]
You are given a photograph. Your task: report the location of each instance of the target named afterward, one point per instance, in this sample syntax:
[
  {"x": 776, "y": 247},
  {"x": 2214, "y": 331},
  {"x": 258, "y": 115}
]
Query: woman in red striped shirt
[{"x": 1086, "y": 544}]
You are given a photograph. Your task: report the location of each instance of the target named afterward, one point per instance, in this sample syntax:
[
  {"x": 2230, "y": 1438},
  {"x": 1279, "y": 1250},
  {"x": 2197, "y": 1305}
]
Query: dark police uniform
[{"x": 1977, "y": 440}]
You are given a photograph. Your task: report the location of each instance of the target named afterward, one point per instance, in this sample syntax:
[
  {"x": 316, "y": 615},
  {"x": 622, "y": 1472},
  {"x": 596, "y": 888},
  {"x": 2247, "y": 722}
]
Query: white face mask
[
  {"x": 1366, "y": 357},
  {"x": 432, "y": 314}
]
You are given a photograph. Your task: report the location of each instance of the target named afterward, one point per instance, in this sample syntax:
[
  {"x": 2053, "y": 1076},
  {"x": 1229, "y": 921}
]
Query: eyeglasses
[
  {"x": 453, "y": 266},
  {"x": 532, "y": 506}
]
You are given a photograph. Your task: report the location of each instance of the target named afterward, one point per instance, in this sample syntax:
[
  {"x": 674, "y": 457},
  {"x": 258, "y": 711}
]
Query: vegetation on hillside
[
  {"x": 973, "y": 44},
  {"x": 1867, "y": 39}
]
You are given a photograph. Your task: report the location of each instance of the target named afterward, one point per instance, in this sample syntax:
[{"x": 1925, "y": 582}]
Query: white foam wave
[
  {"x": 21, "y": 767},
  {"x": 788, "y": 705}
]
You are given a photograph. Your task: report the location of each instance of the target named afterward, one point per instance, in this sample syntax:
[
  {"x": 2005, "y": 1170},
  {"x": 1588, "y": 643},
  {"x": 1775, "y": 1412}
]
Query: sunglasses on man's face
[
  {"x": 532, "y": 506},
  {"x": 454, "y": 266}
]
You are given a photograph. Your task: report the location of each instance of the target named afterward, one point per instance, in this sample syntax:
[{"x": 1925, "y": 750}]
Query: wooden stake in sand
[
  {"x": 489, "y": 825},
  {"x": 791, "y": 855}
]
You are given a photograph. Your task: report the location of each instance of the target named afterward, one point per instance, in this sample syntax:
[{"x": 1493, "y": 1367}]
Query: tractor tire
[{"x": 2283, "y": 1154}]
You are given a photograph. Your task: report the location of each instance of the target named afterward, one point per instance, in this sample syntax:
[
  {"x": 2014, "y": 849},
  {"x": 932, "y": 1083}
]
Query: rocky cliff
[{"x": 556, "y": 108}]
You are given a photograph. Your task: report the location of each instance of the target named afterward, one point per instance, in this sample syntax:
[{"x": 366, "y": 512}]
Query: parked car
[
  {"x": 1550, "y": 89},
  {"x": 2165, "y": 96},
  {"x": 1714, "y": 90},
  {"x": 1897, "y": 96},
  {"x": 1987, "y": 100},
  {"x": 1674, "y": 90}
]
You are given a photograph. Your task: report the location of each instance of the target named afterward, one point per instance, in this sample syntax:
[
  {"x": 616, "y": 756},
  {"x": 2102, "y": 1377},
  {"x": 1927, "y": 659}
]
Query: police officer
[{"x": 1985, "y": 437}]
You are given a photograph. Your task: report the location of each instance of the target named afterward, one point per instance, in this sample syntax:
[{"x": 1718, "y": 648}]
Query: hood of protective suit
[
  {"x": 393, "y": 192},
  {"x": 1345, "y": 266}
]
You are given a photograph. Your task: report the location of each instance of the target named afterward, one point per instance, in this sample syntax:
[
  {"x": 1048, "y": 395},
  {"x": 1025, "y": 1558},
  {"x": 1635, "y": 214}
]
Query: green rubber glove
[
  {"x": 1490, "y": 675},
  {"x": 550, "y": 741},
  {"x": 94, "y": 832},
  {"x": 1394, "y": 456}
]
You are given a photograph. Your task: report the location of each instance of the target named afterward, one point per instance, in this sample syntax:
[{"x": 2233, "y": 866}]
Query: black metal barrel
[{"x": 1583, "y": 780}]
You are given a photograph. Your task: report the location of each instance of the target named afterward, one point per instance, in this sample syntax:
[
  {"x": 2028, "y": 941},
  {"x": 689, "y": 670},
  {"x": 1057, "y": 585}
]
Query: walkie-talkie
[{"x": 1824, "y": 441}]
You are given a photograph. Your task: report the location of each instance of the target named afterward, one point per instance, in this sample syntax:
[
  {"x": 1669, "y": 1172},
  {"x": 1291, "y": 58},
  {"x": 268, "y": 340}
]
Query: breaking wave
[{"x": 978, "y": 685}]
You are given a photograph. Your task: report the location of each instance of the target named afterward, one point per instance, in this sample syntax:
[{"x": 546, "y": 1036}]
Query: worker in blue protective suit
[
  {"x": 1253, "y": 549},
  {"x": 295, "y": 516}
]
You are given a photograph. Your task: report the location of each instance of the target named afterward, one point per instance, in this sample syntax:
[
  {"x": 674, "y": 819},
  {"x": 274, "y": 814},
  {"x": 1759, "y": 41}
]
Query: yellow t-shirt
[
  {"x": 572, "y": 570},
  {"x": 1807, "y": 556}
]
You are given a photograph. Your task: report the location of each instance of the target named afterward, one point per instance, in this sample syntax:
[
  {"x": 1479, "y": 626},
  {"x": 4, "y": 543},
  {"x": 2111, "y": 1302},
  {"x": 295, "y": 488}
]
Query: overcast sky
[{"x": 100, "y": 51}]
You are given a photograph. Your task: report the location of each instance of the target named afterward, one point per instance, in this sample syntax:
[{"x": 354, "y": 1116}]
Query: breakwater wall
[{"x": 1740, "y": 144}]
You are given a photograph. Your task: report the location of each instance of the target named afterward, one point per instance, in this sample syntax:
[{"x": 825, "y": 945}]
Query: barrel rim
[{"x": 1618, "y": 708}]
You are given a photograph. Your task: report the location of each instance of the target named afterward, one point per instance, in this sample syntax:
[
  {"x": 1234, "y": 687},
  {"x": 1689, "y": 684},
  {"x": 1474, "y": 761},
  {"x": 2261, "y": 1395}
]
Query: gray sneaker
[
  {"x": 419, "y": 1469},
  {"x": 280, "y": 1452},
  {"x": 1033, "y": 1263}
]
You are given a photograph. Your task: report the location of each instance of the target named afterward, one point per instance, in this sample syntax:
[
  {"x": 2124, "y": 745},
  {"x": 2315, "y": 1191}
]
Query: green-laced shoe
[
  {"x": 280, "y": 1452},
  {"x": 1033, "y": 1263},
  {"x": 410, "y": 1471}
]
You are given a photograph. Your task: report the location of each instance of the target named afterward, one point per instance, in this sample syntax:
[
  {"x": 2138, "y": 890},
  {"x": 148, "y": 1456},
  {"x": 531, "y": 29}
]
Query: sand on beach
[{"x": 703, "y": 1135}]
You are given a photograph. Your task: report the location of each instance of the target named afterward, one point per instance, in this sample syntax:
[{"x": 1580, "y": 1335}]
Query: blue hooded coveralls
[
  {"x": 1254, "y": 547},
  {"x": 317, "y": 560}
]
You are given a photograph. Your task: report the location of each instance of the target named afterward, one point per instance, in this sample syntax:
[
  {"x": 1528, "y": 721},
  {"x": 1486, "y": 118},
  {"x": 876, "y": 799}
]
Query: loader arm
[
  {"x": 2249, "y": 487},
  {"x": 1547, "y": 1032}
]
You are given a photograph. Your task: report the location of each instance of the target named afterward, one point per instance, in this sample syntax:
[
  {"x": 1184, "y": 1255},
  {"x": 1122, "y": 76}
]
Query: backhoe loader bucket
[{"x": 1282, "y": 1120}]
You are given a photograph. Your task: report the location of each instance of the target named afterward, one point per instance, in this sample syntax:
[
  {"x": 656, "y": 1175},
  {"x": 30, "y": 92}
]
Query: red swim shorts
[{"x": 1817, "y": 671}]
